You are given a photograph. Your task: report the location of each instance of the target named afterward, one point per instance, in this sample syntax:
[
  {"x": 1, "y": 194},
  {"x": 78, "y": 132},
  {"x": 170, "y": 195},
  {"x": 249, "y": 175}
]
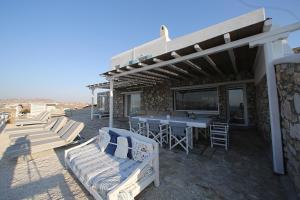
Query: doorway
[
  {"x": 132, "y": 104},
  {"x": 237, "y": 106}
]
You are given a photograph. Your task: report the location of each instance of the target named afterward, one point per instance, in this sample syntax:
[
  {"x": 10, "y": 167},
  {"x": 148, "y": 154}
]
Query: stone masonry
[
  {"x": 262, "y": 106},
  {"x": 158, "y": 99},
  {"x": 288, "y": 84}
]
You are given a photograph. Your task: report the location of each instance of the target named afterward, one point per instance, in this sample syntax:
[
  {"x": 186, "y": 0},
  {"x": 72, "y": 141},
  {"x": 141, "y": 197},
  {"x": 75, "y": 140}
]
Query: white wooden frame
[{"x": 131, "y": 180}]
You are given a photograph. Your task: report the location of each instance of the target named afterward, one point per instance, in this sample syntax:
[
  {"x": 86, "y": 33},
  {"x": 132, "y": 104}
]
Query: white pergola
[{"x": 157, "y": 70}]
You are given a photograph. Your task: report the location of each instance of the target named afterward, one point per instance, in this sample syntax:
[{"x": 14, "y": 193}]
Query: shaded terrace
[{"x": 243, "y": 172}]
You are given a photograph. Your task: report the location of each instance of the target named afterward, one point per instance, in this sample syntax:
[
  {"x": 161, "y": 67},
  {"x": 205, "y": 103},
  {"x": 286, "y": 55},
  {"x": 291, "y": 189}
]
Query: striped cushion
[{"x": 100, "y": 170}]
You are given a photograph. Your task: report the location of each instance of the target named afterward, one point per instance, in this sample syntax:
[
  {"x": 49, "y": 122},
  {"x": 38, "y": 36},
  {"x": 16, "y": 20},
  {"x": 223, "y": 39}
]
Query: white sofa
[{"x": 109, "y": 177}]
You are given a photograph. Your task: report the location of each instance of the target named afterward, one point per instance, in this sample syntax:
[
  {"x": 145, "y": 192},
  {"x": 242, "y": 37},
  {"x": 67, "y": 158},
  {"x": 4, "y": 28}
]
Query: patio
[{"x": 244, "y": 172}]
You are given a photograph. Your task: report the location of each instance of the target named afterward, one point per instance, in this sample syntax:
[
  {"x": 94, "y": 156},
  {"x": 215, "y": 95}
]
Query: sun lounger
[
  {"x": 108, "y": 176},
  {"x": 39, "y": 119},
  {"x": 41, "y": 141},
  {"x": 32, "y": 128},
  {"x": 54, "y": 127}
]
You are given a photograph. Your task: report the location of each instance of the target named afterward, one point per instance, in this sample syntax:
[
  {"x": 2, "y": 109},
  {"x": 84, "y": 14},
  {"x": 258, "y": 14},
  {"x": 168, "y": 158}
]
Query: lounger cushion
[
  {"x": 141, "y": 150},
  {"x": 104, "y": 139},
  {"x": 122, "y": 147},
  {"x": 100, "y": 170}
]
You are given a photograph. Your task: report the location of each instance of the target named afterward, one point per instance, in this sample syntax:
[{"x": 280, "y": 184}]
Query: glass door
[
  {"x": 132, "y": 104},
  {"x": 237, "y": 114}
]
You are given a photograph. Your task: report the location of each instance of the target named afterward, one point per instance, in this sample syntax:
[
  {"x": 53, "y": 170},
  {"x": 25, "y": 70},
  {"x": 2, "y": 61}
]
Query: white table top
[{"x": 197, "y": 123}]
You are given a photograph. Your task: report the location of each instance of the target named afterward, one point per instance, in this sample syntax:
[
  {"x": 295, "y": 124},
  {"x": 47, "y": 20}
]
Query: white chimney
[{"x": 164, "y": 32}]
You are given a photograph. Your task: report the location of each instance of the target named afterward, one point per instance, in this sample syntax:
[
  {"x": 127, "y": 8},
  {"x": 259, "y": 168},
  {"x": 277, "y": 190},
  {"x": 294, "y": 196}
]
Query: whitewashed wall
[{"x": 36, "y": 109}]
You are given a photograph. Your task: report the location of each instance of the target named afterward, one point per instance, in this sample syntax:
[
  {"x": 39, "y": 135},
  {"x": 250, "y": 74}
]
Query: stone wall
[
  {"x": 288, "y": 84},
  {"x": 159, "y": 100},
  {"x": 262, "y": 107}
]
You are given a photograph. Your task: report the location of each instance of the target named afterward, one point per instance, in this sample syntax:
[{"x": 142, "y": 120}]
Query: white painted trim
[
  {"x": 92, "y": 103},
  {"x": 111, "y": 103},
  {"x": 209, "y": 85},
  {"x": 278, "y": 163},
  {"x": 227, "y": 39}
]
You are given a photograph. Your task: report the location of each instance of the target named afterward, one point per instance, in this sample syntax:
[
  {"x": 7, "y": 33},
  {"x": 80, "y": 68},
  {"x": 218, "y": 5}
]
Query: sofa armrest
[{"x": 133, "y": 178}]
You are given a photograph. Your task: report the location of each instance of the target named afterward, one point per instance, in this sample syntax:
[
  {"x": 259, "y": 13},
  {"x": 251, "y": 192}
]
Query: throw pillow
[
  {"x": 104, "y": 139},
  {"x": 141, "y": 150},
  {"x": 112, "y": 146},
  {"x": 122, "y": 147}
]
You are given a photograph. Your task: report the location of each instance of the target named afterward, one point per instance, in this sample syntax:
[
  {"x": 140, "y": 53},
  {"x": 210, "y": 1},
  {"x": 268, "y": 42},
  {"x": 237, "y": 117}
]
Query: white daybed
[{"x": 110, "y": 177}]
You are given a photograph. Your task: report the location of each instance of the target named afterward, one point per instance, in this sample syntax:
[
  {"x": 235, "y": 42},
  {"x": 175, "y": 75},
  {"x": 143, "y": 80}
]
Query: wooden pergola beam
[
  {"x": 156, "y": 60},
  {"x": 227, "y": 39},
  {"x": 209, "y": 60},
  {"x": 190, "y": 63}
]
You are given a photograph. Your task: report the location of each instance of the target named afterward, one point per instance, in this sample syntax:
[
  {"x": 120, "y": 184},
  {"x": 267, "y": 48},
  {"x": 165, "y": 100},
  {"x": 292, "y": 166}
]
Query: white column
[
  {"x": 278, "y": 164},
  {"x": 92, "y": 103},
  {"x": 111, "y": 102}
]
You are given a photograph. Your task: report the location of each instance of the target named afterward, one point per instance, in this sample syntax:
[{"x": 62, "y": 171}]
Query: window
[
  {"x": 133, "y": 104},
  {"x": 205, "y": 100}
]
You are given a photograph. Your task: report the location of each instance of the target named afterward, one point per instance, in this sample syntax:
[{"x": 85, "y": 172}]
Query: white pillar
[
  {"x": 111, "y": 102},
  {"x": 92, "y": 104},
  {"x": 278, "y": 164}
]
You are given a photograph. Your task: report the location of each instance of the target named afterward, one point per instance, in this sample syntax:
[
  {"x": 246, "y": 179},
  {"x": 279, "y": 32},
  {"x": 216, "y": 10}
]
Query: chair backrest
[
  {"x": 45, "y": 116},
  {"x": 134, "y": 123},
  {"x": 65, "y": 128},
  {"x": 178, "y": 128},
  {"x": 59, "y": 124},
  {"x": 39, "y": 116},
  {"x": 153, "y": 125},
  {"x": 73, "y": 132},
  {"x": 219, "y": 126},
  {"x": 51, "y": 123}
]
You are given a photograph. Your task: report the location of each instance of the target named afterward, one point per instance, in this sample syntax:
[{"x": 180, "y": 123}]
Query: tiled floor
[{"x": 244, "y": 172}]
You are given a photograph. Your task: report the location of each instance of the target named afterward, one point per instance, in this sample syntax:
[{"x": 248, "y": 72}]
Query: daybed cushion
[{"x": 100, "y": 170}]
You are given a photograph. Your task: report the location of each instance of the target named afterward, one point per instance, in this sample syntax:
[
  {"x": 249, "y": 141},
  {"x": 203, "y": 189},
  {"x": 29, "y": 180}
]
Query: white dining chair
[{"x": 182, "y": 135}]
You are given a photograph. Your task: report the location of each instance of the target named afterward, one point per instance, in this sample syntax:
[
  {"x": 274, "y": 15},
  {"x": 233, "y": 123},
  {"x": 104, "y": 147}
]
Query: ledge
[{"x": 294, "y": 58}]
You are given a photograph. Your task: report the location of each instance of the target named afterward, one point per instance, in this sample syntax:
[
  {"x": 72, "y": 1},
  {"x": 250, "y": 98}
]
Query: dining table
[{"x": 201, "y": 123}]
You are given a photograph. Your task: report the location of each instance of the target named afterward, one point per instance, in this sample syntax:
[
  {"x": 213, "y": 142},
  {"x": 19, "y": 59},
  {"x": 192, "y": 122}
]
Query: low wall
[{"x": 288, "y": 84}]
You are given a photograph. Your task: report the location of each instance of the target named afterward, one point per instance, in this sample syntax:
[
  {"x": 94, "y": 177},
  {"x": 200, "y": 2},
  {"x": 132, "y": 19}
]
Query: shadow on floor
[{"x": 35, "y": 183}]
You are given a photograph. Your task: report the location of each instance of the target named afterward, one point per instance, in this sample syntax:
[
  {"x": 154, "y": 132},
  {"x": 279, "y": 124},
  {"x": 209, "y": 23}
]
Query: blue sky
[{"x": 53, "y": 49}]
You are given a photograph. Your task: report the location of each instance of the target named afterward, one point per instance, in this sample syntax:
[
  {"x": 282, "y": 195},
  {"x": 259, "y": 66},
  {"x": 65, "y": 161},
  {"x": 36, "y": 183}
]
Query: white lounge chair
[
  {"x": 41, "y": 118},
  {"x": 23, "y": 144},
  {"x": 53, "y": 127},
  {"x": 110, "y": 177},
  {"x": 32, "y": 128}
]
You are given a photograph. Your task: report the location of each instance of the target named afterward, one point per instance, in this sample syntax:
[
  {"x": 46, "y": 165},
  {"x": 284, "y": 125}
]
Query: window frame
[{"x": 213, "y": 112}]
